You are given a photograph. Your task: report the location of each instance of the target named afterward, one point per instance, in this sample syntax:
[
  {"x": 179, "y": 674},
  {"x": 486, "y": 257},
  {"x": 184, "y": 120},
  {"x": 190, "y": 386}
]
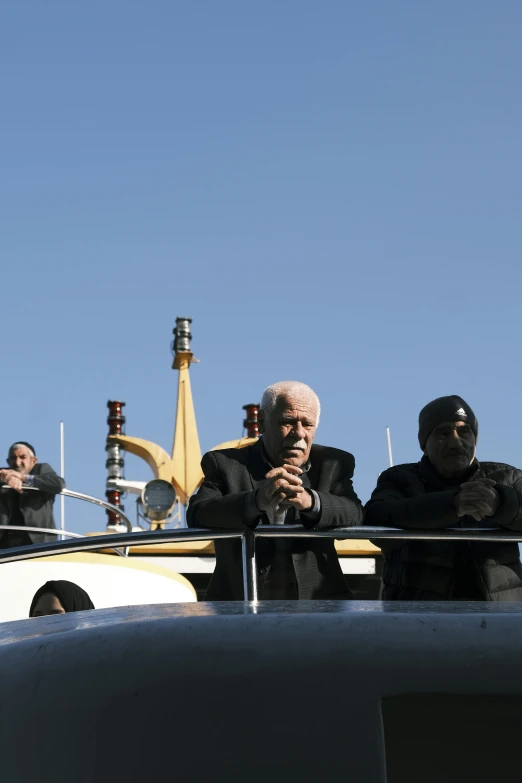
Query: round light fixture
[{"x": 158, "y": 499}]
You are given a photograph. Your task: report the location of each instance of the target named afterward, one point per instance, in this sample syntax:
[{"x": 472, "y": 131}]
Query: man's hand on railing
[
  {"x": 283, "y": 487},
  {"x": 478, "y": 499},
  {"x": 12, "y": 479},
  {"x": 6, "y": 472}
]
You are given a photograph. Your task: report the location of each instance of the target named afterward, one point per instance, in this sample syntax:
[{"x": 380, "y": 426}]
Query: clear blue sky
[{"x": 331, "y": 190}]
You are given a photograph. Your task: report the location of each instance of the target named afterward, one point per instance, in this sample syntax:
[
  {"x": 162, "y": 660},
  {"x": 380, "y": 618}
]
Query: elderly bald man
[
  {"x": 18, "y": 507},
  {"x": 284, "y": 478}
]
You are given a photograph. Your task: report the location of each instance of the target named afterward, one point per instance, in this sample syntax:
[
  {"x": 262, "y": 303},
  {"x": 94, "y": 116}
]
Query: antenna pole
[
  {"x": 388, "y": 437},
  {"x": 62, "y": 474}
]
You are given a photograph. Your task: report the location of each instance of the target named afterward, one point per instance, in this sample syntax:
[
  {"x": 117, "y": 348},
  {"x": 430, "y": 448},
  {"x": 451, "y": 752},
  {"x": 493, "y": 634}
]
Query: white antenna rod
[
  {"x": 62, "y": 474},
  {"x": 389, "y": 446}
]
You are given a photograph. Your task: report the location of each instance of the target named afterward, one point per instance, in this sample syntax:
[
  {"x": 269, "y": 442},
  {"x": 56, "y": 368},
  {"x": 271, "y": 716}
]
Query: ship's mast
[
  {"x": 186, "y": 452},
  {"x": 182, "y": 469}
]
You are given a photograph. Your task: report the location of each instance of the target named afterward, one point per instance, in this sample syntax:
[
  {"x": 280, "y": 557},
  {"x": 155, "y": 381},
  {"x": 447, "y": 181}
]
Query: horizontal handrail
[
  {"x": 69, "y": 493},
  {"x": 363, "y": 532},
  {"x": 145, "y": 538},
  {"x": 385, "y": 533},
  {"x": 44, "y": 530},
  {"x": 247, "y": 538},
  {"x": 49, "y": 531},
  {"x": 111, "y": 541}
]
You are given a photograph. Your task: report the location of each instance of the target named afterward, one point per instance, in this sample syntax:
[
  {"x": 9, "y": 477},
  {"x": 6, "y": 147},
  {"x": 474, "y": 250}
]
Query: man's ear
[
  {"x": 261, "y": 421},
  {"x": 35, "y": 460}
]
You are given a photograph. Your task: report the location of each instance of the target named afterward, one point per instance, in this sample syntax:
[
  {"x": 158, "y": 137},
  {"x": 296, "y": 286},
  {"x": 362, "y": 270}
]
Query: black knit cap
[
  {"x": 22, "y": 443},
  {"x": 452, "y": 408}
]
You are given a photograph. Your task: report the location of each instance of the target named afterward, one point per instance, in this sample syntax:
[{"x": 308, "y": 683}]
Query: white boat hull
[{"x": 110, "y": 581}]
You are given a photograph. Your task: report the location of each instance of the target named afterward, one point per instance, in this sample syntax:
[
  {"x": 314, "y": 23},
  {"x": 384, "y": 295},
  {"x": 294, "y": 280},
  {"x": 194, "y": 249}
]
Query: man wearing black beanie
[{"x": 449, "y": 488}]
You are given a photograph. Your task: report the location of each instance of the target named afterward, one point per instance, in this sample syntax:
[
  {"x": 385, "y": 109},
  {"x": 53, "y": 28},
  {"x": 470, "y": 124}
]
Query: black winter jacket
[{"x": 415, "y": 496}]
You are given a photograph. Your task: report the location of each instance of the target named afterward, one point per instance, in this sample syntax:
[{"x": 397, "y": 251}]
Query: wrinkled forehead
[
  {"x": 297, "y": 405},
  {"x": 20, "y": 451}
]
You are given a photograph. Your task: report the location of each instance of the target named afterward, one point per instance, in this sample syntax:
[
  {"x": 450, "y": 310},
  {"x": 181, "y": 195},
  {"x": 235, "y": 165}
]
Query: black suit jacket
[
  {"x": 231, "y": 475},
  {"x": 36, "y": 507}
]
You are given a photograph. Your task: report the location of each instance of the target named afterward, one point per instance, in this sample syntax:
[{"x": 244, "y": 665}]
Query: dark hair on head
[{"x": 72, "y": 597}]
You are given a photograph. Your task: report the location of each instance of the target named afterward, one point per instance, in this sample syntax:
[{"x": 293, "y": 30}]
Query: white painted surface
[
  {"x": 110, "y": 581},
  {"x": 357, "y": 565},
  {"x": 206, "y": 565},
  {"x": 182, "y": 565}
]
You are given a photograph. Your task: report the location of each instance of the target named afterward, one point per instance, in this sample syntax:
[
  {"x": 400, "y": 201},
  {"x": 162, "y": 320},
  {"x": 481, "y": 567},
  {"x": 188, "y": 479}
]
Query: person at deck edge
[
  {"x": 18, "y": 507},
  {"x": 449, "y": 488},
  {"x": 284, "y": 478}
]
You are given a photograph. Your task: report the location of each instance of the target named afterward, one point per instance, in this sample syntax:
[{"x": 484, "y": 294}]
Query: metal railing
[
  {"x": 60, "y": 531},
  {"x": 248, "y": 539},
  {"x": 52, "y": 531},
  {"x": 364, "y": 532},
  {"x": 98, "y": 502},
  {"x": 69, "y": 493}
]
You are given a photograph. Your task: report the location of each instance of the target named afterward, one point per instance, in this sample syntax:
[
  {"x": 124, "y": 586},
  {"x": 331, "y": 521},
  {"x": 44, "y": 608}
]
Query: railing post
[{"x": 248, "y": 549}]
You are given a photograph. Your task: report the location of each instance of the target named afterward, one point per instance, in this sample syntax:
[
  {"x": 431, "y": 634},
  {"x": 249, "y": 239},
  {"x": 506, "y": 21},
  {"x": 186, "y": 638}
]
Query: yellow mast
[
  {"x": 183, "y": 468},
  {"x": 186, "y": 452}
]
